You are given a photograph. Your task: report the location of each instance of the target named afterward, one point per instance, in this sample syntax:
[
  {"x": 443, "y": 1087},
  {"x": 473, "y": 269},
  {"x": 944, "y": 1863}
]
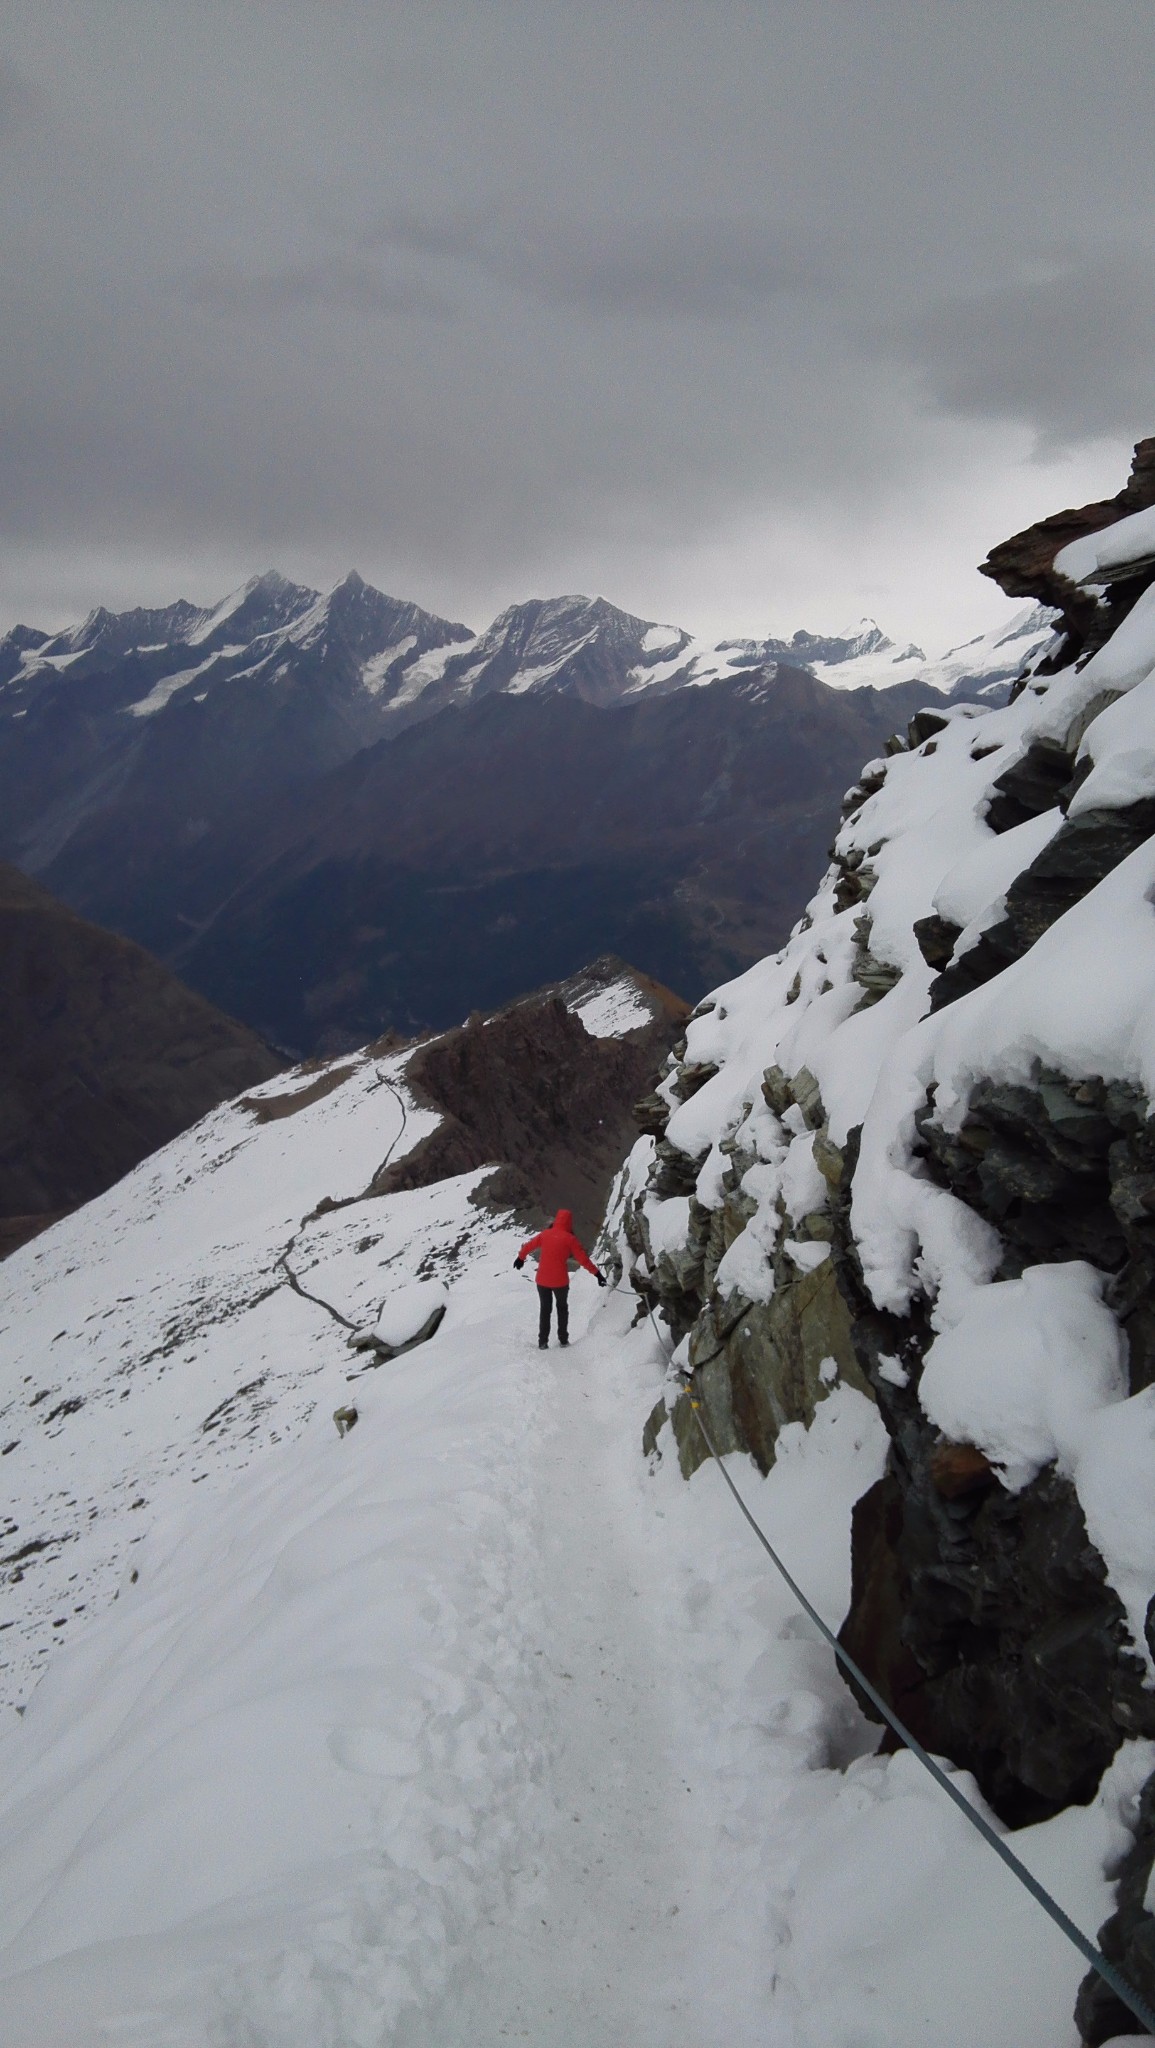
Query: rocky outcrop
[
  {"x": 1127, "y": 1940},
  {"x": 992, "y": 1131},
  {"x": 1082, "y": 852},
  {"x": 757, "y": 1364},
  {"x": 532, "y": 1093},
  {"x": 1024, "y": 565}
]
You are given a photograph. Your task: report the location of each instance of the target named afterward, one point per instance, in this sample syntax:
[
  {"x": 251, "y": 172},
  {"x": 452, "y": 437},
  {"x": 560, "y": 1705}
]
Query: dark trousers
[{"x": 546, "y": 1296}]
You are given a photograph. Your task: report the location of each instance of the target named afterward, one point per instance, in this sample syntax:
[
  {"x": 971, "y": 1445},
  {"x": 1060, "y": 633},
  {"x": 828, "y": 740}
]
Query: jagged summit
[
  {"x": 584, "y": 646},
  {"x": 867, "y": 637},
  {"x": 151, "y": 761},
  {"x": 411, "y": 663}
]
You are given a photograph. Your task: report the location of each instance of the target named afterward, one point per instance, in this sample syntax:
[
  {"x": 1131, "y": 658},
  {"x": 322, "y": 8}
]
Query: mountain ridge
[
  {"x": 154, "y": 763},
  {"x": 106, "y": 1057}
]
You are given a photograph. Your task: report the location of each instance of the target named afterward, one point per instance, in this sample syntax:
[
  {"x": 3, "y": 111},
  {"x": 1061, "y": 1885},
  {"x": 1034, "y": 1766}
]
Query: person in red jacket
[{"x": 555, "y": 1248}]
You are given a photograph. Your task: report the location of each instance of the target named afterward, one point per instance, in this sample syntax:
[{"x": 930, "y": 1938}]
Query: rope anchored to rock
[{"x": 1042, "y": 1897}]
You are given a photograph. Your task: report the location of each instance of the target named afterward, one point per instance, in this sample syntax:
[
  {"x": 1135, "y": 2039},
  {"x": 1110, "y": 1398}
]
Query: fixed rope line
[{"x": 1042, "y": 1897}]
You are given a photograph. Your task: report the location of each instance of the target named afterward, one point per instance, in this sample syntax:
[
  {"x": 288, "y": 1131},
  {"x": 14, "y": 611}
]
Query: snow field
[
  {"x": 150, "y": 1341},
  {"x": 468, "y": 1727}
]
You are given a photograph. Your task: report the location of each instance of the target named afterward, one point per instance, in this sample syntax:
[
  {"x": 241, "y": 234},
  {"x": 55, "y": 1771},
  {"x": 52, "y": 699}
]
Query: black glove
[
  {"x": 519, "y": 1263},
  {"x": 600, "y": 1278}
]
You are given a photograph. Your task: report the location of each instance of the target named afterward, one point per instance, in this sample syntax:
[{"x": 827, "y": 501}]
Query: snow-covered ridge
[
  {"x": 405, "y": 662},
  {"x": 152, "y": 1341},
  {"x": 1119, "y": 550}
]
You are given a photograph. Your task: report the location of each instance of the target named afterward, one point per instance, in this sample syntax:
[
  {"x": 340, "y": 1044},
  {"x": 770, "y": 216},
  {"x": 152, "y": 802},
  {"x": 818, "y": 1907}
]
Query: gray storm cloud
[{"x": 700, "y": 303}]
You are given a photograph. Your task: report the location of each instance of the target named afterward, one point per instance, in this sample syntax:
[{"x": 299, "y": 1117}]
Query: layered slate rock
[
  {"x": 924, "y": 1120},
  {"x": 1024, "y": 566}
]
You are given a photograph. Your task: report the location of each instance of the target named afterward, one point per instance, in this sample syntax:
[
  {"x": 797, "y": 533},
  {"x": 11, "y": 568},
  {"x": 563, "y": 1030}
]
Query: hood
[{"x": 563, "y": 1220}]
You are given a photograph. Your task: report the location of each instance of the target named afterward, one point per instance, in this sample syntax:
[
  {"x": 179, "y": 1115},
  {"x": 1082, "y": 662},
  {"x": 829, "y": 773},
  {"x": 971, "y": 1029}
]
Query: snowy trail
[
  {"x": 468, "y": 1727},
  {"x": 594, "y": 1947}
]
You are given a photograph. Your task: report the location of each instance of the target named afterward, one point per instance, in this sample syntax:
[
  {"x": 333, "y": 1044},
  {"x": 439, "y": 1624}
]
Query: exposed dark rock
[
  {"x": 771, "y": 1358},
  {"x": 856, "y": 879},
  {"x": 530, "y": 1090},
  {"x": 937, "y": 938},
  {"x": 652, "y": 1114},
  {"x": 368, "y": 1340},
  {"x": 924, "y": 725},
  {"x": 958, "y": 1469},
  {"x": 676, "y": 1172},
  {"x": 868, "y": 784},
  {"x": 1064, "y": 1170},
  {"x": 1082, "y": 852},
  {"x": 993, "y": 1613},
  {"x": 985, "y": 1617},
  {"x": 269, "y": 1109},
  {"x": 692, "y": 1077},
  {"x": 1127, "y": 1939},
  {"x": 655, "y": 1424},
  {"x": 1024, "y": 565},
  {"x": 106, "y": 1057},
  {"x": 757, "y": 1365},
  {"x": 1031, "y": 785},
  {"x": 875, "y": 977}
]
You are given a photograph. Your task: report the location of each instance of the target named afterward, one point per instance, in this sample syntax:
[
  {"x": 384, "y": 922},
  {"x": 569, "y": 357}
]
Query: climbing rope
[{"x": 1094, "y": 1956}]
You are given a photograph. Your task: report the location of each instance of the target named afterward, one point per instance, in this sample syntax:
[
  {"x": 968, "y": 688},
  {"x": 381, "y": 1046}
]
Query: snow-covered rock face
[{"x": 939, "y": 1094}]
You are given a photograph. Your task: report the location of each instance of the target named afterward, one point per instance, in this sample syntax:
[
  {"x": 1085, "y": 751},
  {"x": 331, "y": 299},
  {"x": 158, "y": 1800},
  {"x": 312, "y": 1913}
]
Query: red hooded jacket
[{"x": 555, "y": 1247}]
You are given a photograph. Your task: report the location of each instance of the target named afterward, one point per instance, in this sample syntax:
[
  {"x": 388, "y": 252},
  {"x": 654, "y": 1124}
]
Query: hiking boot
[
  {"x": 564, "y": 1343},
  {"x": 543, "y": 1343}
]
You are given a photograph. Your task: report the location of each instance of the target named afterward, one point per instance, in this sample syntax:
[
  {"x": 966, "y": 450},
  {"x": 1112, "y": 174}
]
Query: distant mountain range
[{"x": 335, "y": 813}]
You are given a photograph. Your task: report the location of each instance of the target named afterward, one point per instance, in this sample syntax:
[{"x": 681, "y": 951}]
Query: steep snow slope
[
  {"x": 465, "y": 1726},
  {"x": 157, "y": 1342}
]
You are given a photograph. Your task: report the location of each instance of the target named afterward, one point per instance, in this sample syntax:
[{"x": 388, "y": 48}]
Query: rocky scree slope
[
  {"x": 914, "y": 1151},
  {"x": 106, "y": 1057},
  {"x": 545, "y": 1088}
]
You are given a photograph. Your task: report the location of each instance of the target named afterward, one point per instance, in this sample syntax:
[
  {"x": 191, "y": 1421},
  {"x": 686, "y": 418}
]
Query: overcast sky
[{"x": 743, "y": 316}]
